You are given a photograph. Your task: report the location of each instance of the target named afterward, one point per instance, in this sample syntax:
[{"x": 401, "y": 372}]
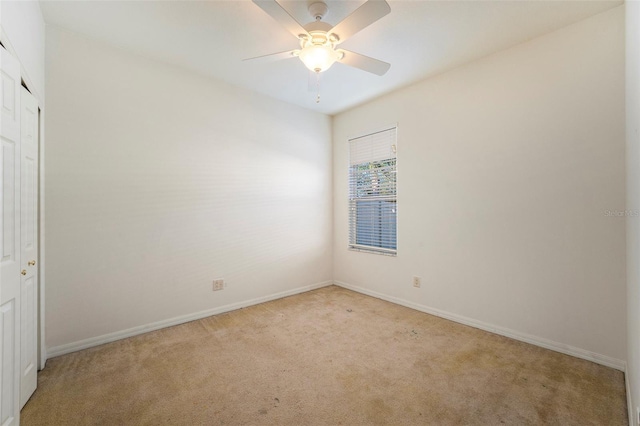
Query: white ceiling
[{"x": 418, "y": 38}]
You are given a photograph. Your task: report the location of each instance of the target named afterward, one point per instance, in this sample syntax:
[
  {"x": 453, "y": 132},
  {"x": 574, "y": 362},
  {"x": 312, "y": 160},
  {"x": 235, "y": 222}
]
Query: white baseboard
[
  {"x": 630, "y": 410},
  {"x": 534, "y": 340},
  {"x": 111, "y": 337},
  {"x": 523, "y": 337}
]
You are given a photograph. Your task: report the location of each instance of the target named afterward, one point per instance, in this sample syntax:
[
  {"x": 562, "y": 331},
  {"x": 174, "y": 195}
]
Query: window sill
[{"x": 373, "y": 250}]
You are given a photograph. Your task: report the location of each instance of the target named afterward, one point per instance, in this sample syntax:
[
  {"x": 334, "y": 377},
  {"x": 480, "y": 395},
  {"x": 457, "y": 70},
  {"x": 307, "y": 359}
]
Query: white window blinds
[{"x": 372, "y": 192}]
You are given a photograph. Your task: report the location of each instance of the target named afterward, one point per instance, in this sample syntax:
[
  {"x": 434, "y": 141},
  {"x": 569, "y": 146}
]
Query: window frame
[{"x": 352, "y": 198}]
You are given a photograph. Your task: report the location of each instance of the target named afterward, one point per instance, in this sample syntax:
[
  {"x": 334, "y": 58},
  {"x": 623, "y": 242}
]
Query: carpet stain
[{"x": 378, "y": 410}]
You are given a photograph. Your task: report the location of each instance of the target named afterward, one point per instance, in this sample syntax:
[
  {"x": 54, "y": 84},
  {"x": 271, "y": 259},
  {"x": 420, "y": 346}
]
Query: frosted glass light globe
[{"x": 318, "y": 58}]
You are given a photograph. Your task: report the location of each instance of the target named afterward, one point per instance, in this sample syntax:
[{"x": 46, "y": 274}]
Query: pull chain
[{"x": 318, "y": 87}]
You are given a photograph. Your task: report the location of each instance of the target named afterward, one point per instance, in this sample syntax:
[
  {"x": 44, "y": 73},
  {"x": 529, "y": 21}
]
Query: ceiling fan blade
[
  {"x": 277, "y": 12},
  {"x": 274, "y": 57},
  {"x": 365, "y": 63},
  {"x": 362, "y": 17}
]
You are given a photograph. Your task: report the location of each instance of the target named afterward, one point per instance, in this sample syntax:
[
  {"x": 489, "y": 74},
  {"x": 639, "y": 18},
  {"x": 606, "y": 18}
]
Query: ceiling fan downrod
[{"x": 318, "y": 10}]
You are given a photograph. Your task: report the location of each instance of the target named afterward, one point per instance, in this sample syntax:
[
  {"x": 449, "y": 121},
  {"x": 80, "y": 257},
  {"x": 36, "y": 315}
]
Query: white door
[
  {"x": 29, "y": 247},
  {"x": 10, "y": 239}
]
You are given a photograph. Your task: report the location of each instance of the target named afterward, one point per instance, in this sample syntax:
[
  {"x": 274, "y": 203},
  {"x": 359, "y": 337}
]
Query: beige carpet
[{"x": 326, "y": 357}]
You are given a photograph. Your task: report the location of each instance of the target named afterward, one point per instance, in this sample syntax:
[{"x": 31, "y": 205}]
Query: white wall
[
  {"x": 159, "y": 181},
  {"x": 23, "y": 25},
  {"x": 506, "y": 167},
  {"x": 633, "y": 203}
]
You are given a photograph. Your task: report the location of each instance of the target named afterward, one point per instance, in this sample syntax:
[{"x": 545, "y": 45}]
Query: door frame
[
  {"x": 42, "y": 348},
  {"x": 28, "y": 83}
]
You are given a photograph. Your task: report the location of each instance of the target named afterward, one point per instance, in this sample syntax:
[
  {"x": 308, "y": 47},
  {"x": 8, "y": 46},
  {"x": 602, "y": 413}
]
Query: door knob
[
  {"x": 24, "y": 272},
  {"x": 31, "y": 263}
]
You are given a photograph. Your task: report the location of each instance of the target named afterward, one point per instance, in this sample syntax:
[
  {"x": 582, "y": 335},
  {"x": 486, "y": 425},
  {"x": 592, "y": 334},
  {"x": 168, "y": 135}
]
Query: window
[{"x": 372, "y": 192}]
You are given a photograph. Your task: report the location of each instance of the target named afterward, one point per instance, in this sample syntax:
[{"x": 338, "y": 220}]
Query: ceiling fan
[{"x": 319, "y": 40}]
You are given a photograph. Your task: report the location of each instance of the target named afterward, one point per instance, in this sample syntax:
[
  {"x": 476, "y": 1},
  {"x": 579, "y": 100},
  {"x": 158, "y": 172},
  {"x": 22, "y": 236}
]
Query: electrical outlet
[
  {"x": 416, "y": 282},
  {"x": 218, "y": 284}
]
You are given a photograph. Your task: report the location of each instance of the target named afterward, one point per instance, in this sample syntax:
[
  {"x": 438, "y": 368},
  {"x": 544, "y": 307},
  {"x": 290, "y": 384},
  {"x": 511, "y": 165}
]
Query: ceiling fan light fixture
[
  {"x": 318, "y": 39},
  {"x": 319, "y": 58}
]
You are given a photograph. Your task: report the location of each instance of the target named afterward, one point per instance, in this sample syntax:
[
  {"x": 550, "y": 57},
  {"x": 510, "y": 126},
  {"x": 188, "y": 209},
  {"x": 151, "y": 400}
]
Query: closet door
[
  {"x": 9, "y": 239},
  {"x": 29, "y": 246}
]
